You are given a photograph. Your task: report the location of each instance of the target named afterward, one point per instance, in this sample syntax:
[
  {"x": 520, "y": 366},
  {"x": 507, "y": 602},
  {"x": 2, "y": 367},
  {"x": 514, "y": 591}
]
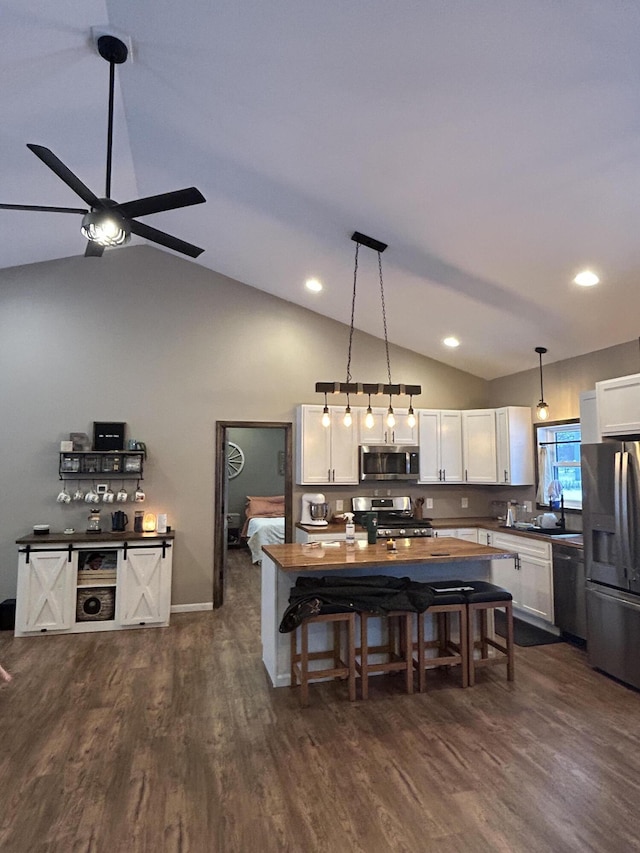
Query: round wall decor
[{"x": 235, "y": 459}]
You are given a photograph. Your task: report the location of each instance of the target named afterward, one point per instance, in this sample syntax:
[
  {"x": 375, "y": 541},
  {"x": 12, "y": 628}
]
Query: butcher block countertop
[{"x": 319, "y": 556}]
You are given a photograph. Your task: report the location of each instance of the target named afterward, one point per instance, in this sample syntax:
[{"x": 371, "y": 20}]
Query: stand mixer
[{"x": 314, "y": 510}]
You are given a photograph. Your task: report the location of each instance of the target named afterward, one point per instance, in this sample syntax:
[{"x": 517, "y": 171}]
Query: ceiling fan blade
[
  {"x": 66, "y": 175},
  {"x": 93, "y": 250},
  {"x": 158, "y": 203},
  {"x": 46, "y": 208},
  {"x": 164, "y": 239}
]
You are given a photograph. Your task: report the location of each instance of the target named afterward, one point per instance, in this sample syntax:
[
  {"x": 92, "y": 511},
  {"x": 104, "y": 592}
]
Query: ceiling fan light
[{"x": 106, "y": 228}]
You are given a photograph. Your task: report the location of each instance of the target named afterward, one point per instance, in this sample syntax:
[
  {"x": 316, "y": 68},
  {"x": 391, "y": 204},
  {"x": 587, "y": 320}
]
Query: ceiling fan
[{"x": 108, "y": 223}]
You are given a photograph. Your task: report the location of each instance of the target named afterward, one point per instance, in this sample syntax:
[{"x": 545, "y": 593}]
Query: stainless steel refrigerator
[{"x": 611, "y": 529}]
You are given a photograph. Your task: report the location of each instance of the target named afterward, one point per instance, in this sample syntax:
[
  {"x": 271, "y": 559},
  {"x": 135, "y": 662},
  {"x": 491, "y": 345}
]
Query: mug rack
[{"x": 121, "y": 465}]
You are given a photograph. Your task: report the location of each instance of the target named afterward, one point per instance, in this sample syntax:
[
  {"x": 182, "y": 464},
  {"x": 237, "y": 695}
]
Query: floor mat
[{"x": 525, "y": 634}]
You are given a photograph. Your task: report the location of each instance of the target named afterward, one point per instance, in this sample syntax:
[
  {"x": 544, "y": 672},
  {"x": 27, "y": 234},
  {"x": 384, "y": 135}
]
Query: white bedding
[{"x": 264, "y": 531}]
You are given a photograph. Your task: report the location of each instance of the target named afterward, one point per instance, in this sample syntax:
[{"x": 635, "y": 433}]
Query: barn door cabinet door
[
  {"x": 145, "y": 586},
  {"x": 46, "y": 591}
]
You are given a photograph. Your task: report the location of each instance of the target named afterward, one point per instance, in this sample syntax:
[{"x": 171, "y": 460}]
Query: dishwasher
[{"x": 569, "y": 600}]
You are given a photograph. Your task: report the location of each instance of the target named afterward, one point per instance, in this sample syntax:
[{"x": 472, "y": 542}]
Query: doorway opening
[{"x": 233, "y": 463}]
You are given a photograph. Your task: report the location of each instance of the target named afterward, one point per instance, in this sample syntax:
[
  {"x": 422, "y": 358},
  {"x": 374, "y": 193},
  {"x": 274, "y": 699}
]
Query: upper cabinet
[
  {"x": 589, "y": 427},
  {"x": 479, "y": 446},
  {"x": 380, "y": 433},
  {"x": 325, "y": 455},
  {"x": 440, "y": 446},
  {"x": 618, "y": 403},
  {"x": 514, "y": 439}
]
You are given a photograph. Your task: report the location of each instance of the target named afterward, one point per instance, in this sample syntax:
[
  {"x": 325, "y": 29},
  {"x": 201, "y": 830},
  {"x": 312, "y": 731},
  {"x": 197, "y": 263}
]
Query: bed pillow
[{"x": 265, "y": 507}]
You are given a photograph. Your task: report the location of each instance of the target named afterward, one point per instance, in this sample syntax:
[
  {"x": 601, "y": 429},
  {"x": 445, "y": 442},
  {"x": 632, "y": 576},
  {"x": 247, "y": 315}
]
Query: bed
[{"x": 264, "y": 523}]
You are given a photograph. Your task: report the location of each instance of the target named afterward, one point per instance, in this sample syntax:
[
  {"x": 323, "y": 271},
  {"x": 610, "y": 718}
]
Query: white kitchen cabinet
[
  {"x": 321, "y": 534},
  {"x": 589, "y": 427},
  {"x": 479, "y": 446},
  {"x": 380, "y": 433},
  {"x": 325, "y": 455},
  {"x": 485, "y": 537},
  {"x": 618, "y": 403},
  {"x": 514, "y": 446},
  {"x": 528, "y": 577},
  {"x": 440, "y": 432},
  {"x": 469, "y": 534},
  {"x": 58, "y": 593}
]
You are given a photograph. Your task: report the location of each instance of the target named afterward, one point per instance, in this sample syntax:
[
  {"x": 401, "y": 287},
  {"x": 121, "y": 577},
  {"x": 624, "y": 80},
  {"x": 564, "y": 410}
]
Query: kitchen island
[{"x": 444, "y": 558}]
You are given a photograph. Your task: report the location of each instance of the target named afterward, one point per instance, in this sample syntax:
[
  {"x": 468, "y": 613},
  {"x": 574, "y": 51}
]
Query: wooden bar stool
[
  {"x": 481, "y": 598},
  {"x": 449, "y": 599},
  {"x": 302, "y": 674},
  {"x": 398, "y": 649}
]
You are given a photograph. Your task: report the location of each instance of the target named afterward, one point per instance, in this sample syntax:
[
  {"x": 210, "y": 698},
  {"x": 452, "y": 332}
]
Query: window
[{"x": 558, "y": 463}]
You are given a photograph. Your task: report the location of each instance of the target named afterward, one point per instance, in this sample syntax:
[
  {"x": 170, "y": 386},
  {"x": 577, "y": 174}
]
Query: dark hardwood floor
[{"x": 172, "y": 740}]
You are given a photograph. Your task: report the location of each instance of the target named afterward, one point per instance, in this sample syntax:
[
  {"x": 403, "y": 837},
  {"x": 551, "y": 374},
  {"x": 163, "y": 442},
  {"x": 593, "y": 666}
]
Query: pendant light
[
  {"x": 349, "y": 387},
  {"x": 542, "y": 409}
]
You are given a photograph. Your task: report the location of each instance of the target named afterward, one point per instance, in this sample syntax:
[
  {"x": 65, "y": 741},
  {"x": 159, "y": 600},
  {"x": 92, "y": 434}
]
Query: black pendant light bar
[{"x": 367, "y": 388}]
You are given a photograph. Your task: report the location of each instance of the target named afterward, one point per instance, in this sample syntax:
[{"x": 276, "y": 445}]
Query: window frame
[{"x": 565, "y": 422}]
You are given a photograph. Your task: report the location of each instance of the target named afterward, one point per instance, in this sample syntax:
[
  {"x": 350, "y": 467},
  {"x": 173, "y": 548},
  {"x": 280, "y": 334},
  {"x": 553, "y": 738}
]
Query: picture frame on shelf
[
  {"x": 81, "y": 441},
  {"x": 108, "y": 435}
]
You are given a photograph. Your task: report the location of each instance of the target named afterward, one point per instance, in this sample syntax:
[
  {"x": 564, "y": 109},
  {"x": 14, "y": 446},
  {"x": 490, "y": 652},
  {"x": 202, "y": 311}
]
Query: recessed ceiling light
[
  {"x": 586, "y": 279},
  {"x": 451, "y": 342},
  {"x": 314, "y": 285}
]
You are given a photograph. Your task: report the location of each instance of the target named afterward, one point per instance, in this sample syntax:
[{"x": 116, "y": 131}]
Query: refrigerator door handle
[{"x": 624, "y": 517}]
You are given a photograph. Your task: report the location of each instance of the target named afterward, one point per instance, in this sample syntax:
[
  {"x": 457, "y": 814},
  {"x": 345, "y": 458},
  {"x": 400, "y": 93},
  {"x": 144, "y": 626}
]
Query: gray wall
[
  {"x": 260, "y": 475},
  {"x": 145, "y": 337}
]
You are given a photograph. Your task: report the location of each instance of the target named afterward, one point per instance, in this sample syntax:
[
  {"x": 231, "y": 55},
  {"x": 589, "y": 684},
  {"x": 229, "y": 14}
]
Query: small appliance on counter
[
  {"x": 93, "y": 522},
  {"x": 314, "y": 510},
  {"x": 394, "y": 518}
]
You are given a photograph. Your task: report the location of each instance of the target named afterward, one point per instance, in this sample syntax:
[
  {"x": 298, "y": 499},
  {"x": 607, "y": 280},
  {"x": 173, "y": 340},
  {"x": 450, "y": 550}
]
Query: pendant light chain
[
  {"x": 384, "y": 318},
  {"x": 353, "y": 310}
]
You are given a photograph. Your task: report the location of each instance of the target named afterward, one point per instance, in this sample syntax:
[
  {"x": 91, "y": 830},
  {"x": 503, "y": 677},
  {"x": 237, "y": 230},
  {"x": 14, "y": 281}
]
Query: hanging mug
[
  {"x": 108, "y": 497},
  {"x": 122, "y": 496},
  {"x": 139, "y": 495},
  {"x": 78, "y": 495},
  {"x": 64, "y": 497}
]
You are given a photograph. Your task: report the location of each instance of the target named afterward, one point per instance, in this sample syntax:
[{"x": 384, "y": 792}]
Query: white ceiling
[{"x": 495, "y": 146}]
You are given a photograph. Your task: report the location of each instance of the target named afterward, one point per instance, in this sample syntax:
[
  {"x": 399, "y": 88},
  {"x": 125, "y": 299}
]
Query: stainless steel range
[{"x": 395, "y": 517}]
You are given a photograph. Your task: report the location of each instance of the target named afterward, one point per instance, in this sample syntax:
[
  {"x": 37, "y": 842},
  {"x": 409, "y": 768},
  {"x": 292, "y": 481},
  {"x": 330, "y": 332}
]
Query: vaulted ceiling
[{"x": 494, "y": 146}]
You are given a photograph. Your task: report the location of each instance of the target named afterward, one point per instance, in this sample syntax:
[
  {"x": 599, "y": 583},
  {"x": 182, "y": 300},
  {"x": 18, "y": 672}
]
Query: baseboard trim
[{"x": 191, "y": 608}]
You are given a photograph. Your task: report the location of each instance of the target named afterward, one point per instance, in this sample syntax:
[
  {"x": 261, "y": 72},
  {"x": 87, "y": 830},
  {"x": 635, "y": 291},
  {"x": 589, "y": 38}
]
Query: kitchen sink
[{"x": 545, "y": 531}]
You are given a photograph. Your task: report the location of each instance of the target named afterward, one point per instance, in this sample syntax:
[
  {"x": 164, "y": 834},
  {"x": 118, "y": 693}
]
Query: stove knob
[{"x": 402, "y": 531}]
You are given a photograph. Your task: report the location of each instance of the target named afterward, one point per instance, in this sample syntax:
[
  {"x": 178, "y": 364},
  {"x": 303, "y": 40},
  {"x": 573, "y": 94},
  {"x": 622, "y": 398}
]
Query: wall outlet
[
  {"x": 527, "y": 506},
  {"x": 429, "y": 503},
  {"x": 339, "y": 506},
  {"x": 465, "y": 503}
]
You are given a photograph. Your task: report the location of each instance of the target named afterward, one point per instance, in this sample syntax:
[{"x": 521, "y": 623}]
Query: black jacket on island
[{"x": 337, "y": 594}]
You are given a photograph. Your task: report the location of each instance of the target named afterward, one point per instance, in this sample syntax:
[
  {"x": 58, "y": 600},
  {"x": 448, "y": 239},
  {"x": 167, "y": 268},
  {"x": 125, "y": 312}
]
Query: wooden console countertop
[
  {"x": 81, "y": 536},
  {"x": 293, "y": 557}
]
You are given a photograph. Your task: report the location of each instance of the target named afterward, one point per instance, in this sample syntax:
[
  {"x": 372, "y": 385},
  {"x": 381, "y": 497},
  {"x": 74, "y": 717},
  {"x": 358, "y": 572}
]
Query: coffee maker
[{"x": 314, "y": 510}]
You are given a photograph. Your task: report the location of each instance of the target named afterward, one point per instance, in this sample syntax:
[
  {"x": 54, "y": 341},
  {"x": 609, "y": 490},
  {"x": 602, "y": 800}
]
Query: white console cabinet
[{"x": 95, "y": 582}]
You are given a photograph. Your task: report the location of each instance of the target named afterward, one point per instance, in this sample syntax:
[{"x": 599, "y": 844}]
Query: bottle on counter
[
  {"x": 372, "y": 528},
  {"x": 350, "y": 529}
]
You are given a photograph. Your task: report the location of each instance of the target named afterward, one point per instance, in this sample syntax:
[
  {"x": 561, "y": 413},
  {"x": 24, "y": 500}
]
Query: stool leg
[
  {"x": 422, "y": 677},
  {"x": 471, "y": 643},
  {"x": 364, "y": 657},
  {"x": 304, "y": 665},
  {"x": 510, "y": 644},
  {"x": 484, "y": 627},
  {"x": 407, "y": 640},
  {"x": 351, "y": 655},
  {"x": 294, "y": 652},
  {"x": 336, "y": 644},
  {"x": 464, "y": 646}
]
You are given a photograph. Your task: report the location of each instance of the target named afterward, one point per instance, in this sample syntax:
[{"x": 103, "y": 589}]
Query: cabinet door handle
[
  {"x": 328, "y": 475},
  {"x": 506, "y": 476},
  {"x": 386, "y": 440},
  {"x": 466, "y": 476}
]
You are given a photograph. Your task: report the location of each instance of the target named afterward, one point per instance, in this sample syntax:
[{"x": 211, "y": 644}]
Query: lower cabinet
[
  {"x": 469, "y": 534},
  {"x": 528, "y": 577},
  {"x": 101, "y": 586}
]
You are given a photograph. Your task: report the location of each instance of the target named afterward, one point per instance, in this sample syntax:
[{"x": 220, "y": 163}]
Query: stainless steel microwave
[{"x": 389, "y": 462}]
